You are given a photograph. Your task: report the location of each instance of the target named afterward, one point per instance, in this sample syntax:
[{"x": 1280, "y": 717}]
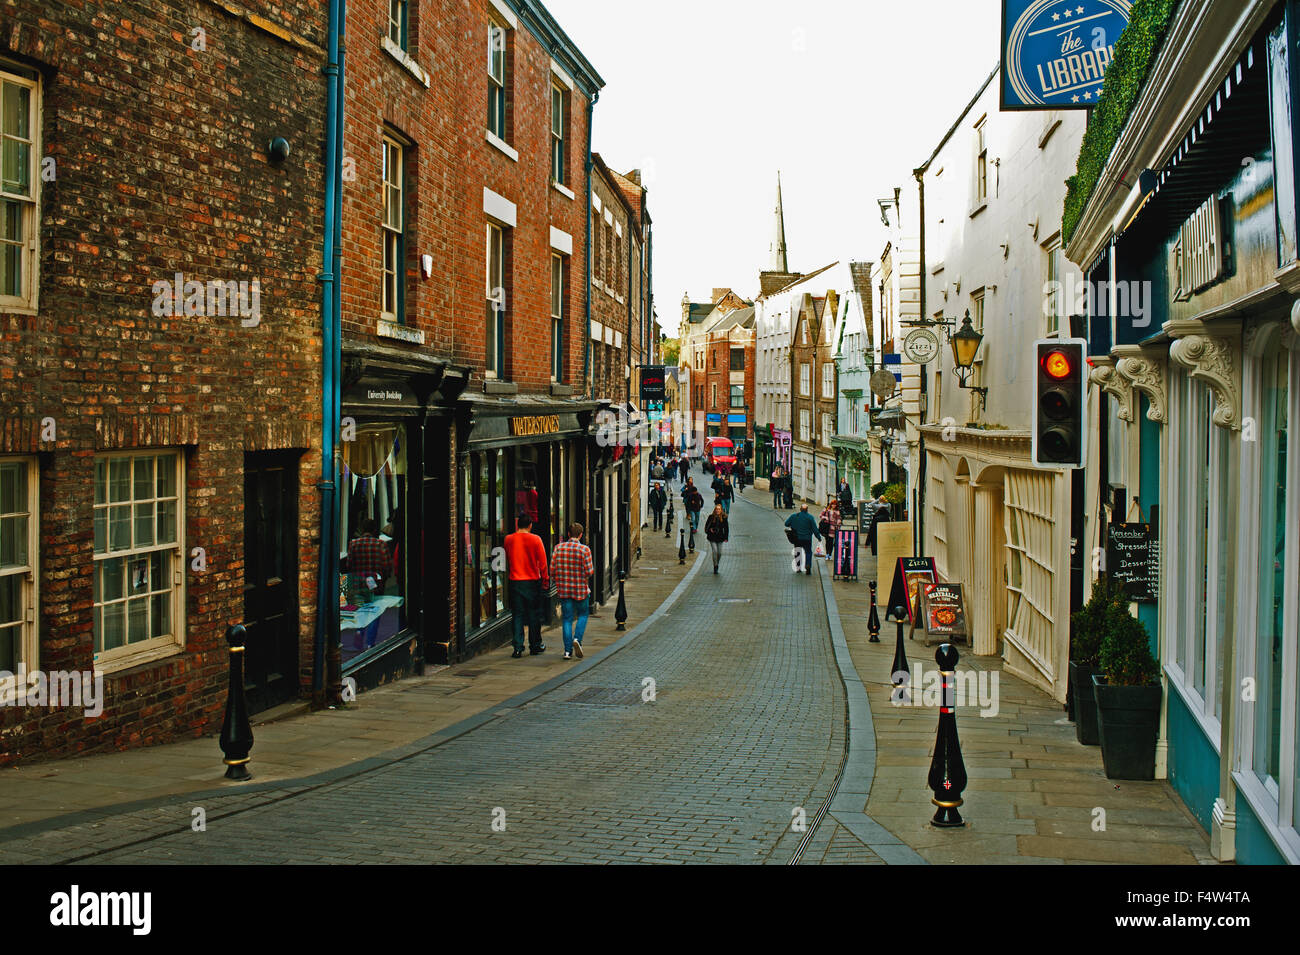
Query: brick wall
[{"x": 159, "y": 133}]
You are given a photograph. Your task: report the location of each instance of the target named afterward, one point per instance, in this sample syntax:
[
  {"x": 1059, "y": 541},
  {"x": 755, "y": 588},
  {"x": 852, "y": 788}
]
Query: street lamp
[{"x": 965, "y": 344}]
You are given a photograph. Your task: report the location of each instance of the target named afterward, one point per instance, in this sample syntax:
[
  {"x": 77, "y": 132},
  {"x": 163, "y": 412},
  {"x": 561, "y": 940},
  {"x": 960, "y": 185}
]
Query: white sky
[{"x": 711, "y": 97}]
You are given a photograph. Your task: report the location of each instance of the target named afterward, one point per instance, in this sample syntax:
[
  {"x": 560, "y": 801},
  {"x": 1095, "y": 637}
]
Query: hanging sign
[
  {"x": 1055, "y": 53},
  {"x": 921, "y": 345}
]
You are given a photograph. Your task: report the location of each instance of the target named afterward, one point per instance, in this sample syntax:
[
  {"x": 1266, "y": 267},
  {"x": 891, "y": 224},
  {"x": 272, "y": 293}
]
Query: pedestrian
[
  {"x": 880, "y": 513},
  {"x": 694, "y": 502},
  {"x": 728, "y": 493},
  {"x": 716, "y": 485},
  {"x": 776, "y": 487},
  {"x": 716, "y": 531},
  {"x": 829, "y": 525},
  {"x": 657, "y": 470},
  {"x": 572, "y": 567},
  {"x": 846, "y": 496},
  {"x": 657, "y": 501},
  {"x": 804, "y": 529},
  {"x": 683, "y": 467},
  {"x": 670, "y": 469},
  {"x": 526, "y": 558},
  {"x": 739, "y": 472}
]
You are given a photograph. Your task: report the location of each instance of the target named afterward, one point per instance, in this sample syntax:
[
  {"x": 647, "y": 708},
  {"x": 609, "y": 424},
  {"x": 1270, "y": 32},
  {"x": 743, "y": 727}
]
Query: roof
[
  {"x": 736, "y": 318},
  {"x": 803, "y": 278},
  {"x": 956, "y": 123},
  {"x": 699, "y": 311}
]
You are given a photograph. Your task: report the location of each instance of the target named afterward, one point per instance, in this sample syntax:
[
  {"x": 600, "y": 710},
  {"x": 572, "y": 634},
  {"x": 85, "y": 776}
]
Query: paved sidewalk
[
  {"x": 292, "y": 742},
  {"x": 1034, "y": 790}
]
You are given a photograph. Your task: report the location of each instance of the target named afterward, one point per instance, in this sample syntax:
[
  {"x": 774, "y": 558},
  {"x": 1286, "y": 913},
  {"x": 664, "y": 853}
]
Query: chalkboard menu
[{"x": 1133, "y": 558}]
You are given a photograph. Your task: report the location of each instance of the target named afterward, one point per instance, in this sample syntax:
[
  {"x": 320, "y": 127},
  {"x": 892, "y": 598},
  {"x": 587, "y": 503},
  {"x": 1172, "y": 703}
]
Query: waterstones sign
[{"x": 1055, "y": 54}]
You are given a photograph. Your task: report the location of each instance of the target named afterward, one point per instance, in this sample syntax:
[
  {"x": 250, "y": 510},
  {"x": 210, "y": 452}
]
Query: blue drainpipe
[
  {"x": 586, "y": 332},
  {"x": 327, "y": 589}
]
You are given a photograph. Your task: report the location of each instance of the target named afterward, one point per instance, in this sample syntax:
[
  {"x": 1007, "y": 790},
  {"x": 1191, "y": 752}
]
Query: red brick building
[
  {"x": 727, "y": 388},
  {"x": 159, "y": 372},
  {"x": 465, "y": 313}
]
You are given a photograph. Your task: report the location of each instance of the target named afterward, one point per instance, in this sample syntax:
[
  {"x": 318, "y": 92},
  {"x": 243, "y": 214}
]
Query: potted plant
[
  {"x": 1128, "y": 696},
  {"x": 1087, "y": 627}
]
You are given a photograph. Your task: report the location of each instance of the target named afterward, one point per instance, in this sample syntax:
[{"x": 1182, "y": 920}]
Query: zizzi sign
[
  {"x": 1055, "y": 53},
  {"x": 535, "y": 424}
]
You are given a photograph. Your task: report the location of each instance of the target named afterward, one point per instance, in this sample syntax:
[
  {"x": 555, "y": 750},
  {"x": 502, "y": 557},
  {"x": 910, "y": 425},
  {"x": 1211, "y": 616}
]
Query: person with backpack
[
  {"x": 716, "y": 532},
  {"x": 694, "y": 502},
  {"x": 802, "y": 530}
]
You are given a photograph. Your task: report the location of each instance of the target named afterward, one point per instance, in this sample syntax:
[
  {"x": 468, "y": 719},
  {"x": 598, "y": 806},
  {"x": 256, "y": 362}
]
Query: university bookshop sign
[{"x": 1055, "y": 53}]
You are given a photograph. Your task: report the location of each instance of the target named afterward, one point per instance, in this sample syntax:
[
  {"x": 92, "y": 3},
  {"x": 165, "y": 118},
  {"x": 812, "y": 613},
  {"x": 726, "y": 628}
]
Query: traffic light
[{"x": 1060, "y": 403}]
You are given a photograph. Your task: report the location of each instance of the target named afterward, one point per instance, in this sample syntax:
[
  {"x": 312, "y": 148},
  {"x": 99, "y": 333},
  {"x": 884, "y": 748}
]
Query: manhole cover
[
  {"x": 735, "y": 600},
  {"x": 608, "y": 696}
]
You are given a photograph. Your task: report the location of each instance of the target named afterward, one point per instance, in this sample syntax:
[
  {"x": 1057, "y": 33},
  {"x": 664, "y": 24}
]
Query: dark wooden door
[{"x": 270, "y": 578}]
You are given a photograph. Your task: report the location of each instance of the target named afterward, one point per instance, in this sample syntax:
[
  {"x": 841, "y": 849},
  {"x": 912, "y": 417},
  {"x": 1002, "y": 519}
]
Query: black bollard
[
  {"x": 692, "y": 540},
  {"x": 947, "y": 770},
  {"x": 681, "y": 545},
  {"x": 873, "y": 618},
  {"x": 620, "y": 611},
  {"x": 899, "y": 673},
  {"x": 668, "y": 524},
  {"x": 236, "y": 733}
]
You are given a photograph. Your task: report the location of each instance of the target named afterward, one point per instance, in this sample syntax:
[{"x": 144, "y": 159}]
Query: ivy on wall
[{"x": 1135, "y": 51}]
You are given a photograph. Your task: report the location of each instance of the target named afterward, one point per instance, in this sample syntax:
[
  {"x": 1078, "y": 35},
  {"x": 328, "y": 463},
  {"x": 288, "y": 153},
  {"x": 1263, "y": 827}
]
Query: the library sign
[{"x": 1055, "y": 53}]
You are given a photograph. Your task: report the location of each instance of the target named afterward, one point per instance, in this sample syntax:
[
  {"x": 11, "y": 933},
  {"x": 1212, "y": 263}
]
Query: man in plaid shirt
[
  {"x": 367, "y": 557},
  {"x": 571, "y": 568}
]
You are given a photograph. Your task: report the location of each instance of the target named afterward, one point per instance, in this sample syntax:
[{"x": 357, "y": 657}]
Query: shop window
[
  {"x": 17, "y": 565},
  {"x": 1273, "y": 577},
  {"x": 136, "y": 579},
  {"x": 486, "y": 522}
]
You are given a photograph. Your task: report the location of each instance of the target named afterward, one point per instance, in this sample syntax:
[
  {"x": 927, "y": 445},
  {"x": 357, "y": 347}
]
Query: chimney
[{"x": 719, "y": 294}]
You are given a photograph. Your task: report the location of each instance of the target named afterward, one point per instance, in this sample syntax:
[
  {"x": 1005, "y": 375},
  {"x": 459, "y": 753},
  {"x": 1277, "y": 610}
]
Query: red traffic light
[{"x": 1057, "y": 364}]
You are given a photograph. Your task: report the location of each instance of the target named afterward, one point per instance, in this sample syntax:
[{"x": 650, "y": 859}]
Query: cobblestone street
[{"x": 747, "y": 725}]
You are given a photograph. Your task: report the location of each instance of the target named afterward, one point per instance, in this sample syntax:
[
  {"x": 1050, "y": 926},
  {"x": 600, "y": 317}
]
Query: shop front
[
  {"x": 515, "y": 458},
  {"x": 393, "y": 500},
  {"x": 613, "y": 456}
]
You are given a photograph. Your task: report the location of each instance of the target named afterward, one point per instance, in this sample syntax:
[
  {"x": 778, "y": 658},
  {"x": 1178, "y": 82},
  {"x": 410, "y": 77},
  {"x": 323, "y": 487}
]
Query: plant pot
[
  {"x": 1084, "y": 700},
  {"x": 1128, "y": 719}
]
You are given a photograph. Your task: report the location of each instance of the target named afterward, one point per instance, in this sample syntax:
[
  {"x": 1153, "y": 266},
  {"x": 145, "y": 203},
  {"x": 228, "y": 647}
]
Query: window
[
  {"x": 981, "y": 165},
  {"x": 1054, "y": 303},
  {"x": 737, "y": 359},
  {"x": 714, "y": 394},
  {"x": 496, "y": 112},
  {"x": 138, "y": 560},
  {"x": 394, "y": 231},
  {"x": 19, "y": 186},
  {"x": 737, "y": 396},
  {"x": 557, "y": 318},
  {"x": 397, "y": 22},
  {"x": 828, "y": 380},
  {"x": 559, "y": 113},
  {"x": 496, "y": 301},
  {"x": 805, "y": 378},
  {"x": 17, "y": 564},
  {"x": 805, "y": 425},
  {"x": 827, "y": 429}
]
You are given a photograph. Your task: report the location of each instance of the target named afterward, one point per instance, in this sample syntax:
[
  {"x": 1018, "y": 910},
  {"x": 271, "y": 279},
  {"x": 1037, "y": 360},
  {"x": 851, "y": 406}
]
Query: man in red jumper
[{"x": 526, "y": 558}]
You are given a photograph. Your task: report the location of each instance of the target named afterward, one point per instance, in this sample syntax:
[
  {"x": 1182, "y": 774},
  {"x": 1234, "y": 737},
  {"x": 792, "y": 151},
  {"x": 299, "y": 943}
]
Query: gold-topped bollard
[{"x": 236, "y": 731}]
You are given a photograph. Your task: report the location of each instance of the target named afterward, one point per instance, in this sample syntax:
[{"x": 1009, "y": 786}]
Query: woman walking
[
  {"x": 830, "y": 523},
  {"x": 716, "y": 531}
]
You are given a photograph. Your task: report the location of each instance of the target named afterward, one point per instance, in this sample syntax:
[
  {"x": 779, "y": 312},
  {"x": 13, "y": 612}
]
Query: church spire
[{"x": 779, "y": 261}]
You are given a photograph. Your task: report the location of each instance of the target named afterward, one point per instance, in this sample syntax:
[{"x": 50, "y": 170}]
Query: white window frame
[
  {"x": 498, "y": 73},
  {"x": 29, "y": 258},
  {"x": 1189, "y": 552},
  {"x": 557, "y": 317},
  {"x": 130, "y": 655},
  {"x": 559, "y": 131},
  {"x": 805, "y": 379},
  {"x": 399, "y": 27},
  {"x": 1273, "y": 807},
  {"x": 1054, "y": 300},
  {"x": 828, "y": 379},
  {"x": 393, "y": 229},
  {"x": 496, "y": 302},
  {"x": 28, "y": 591},
  {"x": 805, "y": 425}
]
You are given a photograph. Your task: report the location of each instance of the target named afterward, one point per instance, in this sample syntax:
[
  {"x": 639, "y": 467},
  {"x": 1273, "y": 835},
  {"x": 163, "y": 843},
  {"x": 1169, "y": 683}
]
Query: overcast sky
[{"x": 711, "y": 97}]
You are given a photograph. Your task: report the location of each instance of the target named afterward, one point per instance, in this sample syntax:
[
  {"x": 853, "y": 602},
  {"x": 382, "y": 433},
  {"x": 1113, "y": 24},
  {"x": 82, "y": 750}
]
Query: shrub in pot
[
  {"x": 1128, "y": 696},
  {"x": 1088, "y": 626}
]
